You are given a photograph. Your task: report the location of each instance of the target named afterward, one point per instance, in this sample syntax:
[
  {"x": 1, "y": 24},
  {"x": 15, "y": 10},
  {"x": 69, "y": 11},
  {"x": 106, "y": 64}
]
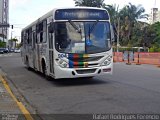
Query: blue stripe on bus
[
  {"x": 71, "y": 65},
  {"x": 70, "y": 56}
]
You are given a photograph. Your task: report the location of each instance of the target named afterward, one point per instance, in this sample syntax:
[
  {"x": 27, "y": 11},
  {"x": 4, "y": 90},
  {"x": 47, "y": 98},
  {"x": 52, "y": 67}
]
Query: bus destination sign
[{"x": 81, "y": 14}]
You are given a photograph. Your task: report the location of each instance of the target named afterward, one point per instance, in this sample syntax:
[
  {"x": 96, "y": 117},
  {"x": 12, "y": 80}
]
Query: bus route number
[{"x": 62, "y": 55}]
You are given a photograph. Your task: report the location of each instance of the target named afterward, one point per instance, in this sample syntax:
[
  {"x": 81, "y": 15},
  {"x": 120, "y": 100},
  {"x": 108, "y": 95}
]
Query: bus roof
[{"x": 50, "y": 13}]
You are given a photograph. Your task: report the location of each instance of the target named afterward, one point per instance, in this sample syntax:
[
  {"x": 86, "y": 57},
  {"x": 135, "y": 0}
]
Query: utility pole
[
  {"x": 118, "y": 34},
  {"x": 11, "y": 34},
  {"x": 11, "y": 42}
]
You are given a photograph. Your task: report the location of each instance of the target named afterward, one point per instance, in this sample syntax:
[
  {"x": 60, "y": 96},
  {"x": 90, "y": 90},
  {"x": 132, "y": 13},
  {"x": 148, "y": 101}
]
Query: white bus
[{"x": 69, "y": 43}]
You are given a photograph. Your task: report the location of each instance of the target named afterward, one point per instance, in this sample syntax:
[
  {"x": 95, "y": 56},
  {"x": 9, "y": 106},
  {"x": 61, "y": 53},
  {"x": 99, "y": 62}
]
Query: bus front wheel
[
  {"x": 27, "y": 63},
  {"x": 44, "y": 69}
]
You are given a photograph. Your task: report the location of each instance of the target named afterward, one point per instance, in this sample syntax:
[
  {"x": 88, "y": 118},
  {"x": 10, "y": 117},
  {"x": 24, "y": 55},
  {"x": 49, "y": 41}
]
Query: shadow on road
[
  {"x": 77, "y": 82},
  {"x": 72, "y": 81}
]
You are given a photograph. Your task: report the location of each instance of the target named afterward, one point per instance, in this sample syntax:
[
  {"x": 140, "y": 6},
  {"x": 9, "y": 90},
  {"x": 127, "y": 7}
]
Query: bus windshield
[{"x": 82, "y": 37}]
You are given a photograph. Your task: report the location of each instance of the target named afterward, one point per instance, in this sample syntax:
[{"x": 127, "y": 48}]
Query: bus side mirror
[
  {"x": 51, "y": 28},
  {"x": 112, "y": 34}
]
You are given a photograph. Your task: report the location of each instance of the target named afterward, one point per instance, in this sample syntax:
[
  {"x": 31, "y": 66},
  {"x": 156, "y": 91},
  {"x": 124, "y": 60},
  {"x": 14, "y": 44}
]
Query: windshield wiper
[
  {"x": 93, "y": 26},
  {"x": 78, "y": 30}
]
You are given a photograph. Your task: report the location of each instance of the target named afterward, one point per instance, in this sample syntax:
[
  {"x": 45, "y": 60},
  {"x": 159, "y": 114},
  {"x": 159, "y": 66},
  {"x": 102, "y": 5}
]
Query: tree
[
  {"x": 90, "y": 3},
  {"x": 19, "y": 45},
  {"x": 2, "y": 44},
  {"x": 130, "y": 15},
  {"x": 131, "y": 31},
  {"x": 113, "y": 12},
  {"x": 151, "y": 37},
  {"x": 14, "y": 40}
]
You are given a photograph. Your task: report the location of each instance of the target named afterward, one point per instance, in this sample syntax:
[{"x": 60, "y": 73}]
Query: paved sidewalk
[{"x": 10, "y": 107}]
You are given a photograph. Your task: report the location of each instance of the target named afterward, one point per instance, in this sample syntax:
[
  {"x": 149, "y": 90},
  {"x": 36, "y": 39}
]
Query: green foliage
[
  {"x": 152, "y": 36},
  {"x": 90, "y": 3},
  {"x": 2, "y": 44},
  {"x": 113, "y": 11},
  {"x": 19, "y": 45},
  {"x": 155, "y": 48},
  {"x": 14, "y": 39}
]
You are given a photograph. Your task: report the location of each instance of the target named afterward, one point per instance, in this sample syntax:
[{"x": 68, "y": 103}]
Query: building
[
  {"x": 4, "y": 18},
  {"x": 154, "y": 16},
  {"x": 1, "y": 39}
]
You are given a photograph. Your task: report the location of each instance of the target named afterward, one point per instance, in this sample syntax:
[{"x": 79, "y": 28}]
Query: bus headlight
[
  {"x": 107, "y": 61},
  {"x": 62, "y": 63}
]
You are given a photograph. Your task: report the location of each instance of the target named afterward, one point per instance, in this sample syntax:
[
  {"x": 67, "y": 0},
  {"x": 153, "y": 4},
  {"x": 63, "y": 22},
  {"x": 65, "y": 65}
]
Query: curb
[{"x": 21, "y": 107}]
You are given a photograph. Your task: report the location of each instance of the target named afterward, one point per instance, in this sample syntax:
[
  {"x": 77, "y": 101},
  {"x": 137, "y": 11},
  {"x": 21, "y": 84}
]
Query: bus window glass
[
  {"x": 82, "y": 37},
  {"x": 44, "y": 31},
  {"x": 30, "y": 36}
]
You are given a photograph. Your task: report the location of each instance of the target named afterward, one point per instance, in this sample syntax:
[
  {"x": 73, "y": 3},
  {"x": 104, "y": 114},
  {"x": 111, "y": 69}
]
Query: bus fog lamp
[{"x": 62, "y": 63}]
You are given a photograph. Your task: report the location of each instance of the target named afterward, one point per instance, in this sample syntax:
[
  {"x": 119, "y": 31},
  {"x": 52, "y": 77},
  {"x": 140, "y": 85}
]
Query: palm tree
[
  {"x": 90, "y": 3},
  {"x": 113, "y": 12},
  {"x": 129, "y": 16}
]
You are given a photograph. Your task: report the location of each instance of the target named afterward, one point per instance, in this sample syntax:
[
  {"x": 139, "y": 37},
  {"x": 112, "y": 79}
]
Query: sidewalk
[{"x": 10, "y": 107}]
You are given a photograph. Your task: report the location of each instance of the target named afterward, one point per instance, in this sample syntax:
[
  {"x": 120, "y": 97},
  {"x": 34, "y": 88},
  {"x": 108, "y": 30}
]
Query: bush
[
  {"x": 154, "y": 49},
  {"x": 2, "y": 44}
]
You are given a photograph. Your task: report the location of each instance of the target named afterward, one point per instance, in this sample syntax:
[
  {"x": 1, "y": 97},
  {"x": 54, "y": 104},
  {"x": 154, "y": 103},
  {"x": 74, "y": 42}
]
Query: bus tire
[
  {"x": 27, "y": 63},
  {"x": 44, "y": 69}
]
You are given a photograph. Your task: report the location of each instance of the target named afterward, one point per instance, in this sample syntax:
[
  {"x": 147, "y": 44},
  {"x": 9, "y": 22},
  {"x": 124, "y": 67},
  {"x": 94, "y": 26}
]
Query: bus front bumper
[{"x": 82, "y": 72}]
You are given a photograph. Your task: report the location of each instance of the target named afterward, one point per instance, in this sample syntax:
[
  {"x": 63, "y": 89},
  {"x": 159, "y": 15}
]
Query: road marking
[{"x": 20, "y": 105}]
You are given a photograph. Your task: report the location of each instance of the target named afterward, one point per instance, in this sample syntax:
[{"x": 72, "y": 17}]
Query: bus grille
[{"x": 87, "y": 71}]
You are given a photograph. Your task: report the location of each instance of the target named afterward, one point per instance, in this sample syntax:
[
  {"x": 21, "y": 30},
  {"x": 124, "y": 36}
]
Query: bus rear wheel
[
  {"x": 27, "y": 63},
  {"x": 44, "y": 70}
]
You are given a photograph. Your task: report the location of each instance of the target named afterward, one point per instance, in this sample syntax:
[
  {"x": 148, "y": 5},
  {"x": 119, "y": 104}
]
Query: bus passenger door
[
  {"x": 39, "y": 29},
  {"x": 51, "y": 50}
]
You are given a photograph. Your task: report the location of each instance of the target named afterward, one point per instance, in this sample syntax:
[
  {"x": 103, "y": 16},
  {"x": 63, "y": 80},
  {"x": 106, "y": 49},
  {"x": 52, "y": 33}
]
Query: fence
[{"x": 139, "y": 58}]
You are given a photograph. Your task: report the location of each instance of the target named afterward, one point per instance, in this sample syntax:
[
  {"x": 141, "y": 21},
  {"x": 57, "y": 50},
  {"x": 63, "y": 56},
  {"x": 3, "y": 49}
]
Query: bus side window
[
  {"x": 30, "y": 36},
  {"x": 61, "y": 36},
  {"x": 34, "y": 38},
  {"x": 27, "y": 36},
  {"x": 39, "y": 29},
  {"x": 36, "y": 33},
  {"x": 22, "y": 38},
  {"x": 41, "y": 37},
  {"x": 44, "y": 31}
]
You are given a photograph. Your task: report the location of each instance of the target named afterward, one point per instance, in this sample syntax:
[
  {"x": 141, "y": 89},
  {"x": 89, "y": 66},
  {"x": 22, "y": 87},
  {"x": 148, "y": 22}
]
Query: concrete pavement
[{"x": 10, "y": 107}]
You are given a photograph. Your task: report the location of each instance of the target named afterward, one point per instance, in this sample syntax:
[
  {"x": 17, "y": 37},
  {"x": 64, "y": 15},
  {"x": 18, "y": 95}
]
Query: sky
[{"x": 23, "y": 12}]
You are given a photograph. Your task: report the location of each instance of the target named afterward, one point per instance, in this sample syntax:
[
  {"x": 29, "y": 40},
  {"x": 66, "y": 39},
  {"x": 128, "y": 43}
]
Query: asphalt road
[{"x": 131, "y": 89}]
